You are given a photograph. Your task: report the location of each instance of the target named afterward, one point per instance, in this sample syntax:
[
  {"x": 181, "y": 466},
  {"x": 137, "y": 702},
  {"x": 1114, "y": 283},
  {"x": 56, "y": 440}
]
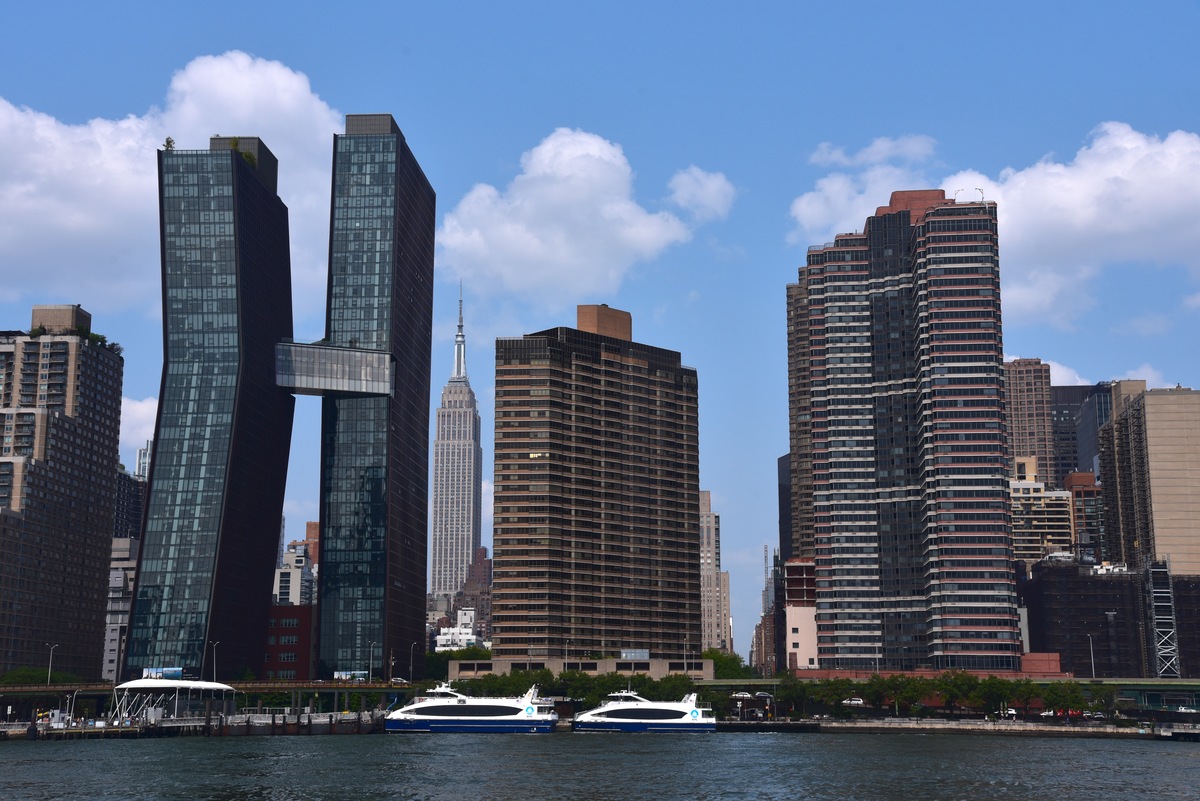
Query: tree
[
  {"x": 994, "y": 692},
  {"x": 908, "y": 691},
  {"x": 791, "y": 694},
  {"x": 169, "y": 144},
  {"x": 1023, "y": 692},
  {"x": 1102, "y": 697},
  {"x": 955, "y": 686},
  {"x": 728, "y": 665},
  {"x": 1063, "y": 696},
  {"x": 833, "y": 691},
  {"x": 875, "y": 691}
]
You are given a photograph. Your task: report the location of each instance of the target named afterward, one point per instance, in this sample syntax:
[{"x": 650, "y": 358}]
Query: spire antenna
[{"x": 460, "y": 343}]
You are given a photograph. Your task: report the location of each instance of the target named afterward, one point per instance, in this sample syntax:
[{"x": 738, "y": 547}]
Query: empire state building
[{"x": 457, "y": 477}]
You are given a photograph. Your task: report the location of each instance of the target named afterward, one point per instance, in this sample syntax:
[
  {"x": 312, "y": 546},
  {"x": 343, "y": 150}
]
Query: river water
[{"x": 599, "y": 767}]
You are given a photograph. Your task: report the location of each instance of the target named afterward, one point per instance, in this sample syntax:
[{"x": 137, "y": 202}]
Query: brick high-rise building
[
  {"x": 1027, "y": 396},
  {"x": 597, "y": 541},
  {"x": 898, "y": 443},
  {"x": 60, "y": 414}
]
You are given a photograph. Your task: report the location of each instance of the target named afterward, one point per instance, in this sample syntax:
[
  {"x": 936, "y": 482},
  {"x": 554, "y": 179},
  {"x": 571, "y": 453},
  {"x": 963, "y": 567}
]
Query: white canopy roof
[{"x": 167, "y": 685}]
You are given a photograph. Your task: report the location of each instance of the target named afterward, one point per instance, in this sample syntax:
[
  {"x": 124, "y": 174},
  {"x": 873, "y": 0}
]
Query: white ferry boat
[
  {"x": 443, "y": 709},
  {"x": 628, "y": 711}
]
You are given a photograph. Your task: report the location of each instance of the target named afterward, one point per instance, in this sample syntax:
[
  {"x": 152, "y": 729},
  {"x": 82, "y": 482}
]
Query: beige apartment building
[
  {"x": 1150, "y": 474},
  {"x": 596, "y": 505}
]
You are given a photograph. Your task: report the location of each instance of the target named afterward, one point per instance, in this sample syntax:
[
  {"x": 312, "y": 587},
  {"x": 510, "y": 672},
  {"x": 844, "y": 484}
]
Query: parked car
[{"x": 853, "y": 702}]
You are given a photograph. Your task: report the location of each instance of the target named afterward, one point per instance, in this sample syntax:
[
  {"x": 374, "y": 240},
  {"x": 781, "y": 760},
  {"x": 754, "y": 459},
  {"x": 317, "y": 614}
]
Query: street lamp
[
  {"x": 412, "y": 648},
  {"x": 1092, "y": 653},
  {"x": 370, "y": 659},
  {"x": 51, "y": 665},
  {"x": 214, "y": 644}
]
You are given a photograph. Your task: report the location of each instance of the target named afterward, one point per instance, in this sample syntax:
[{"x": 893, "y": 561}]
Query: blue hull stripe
[
  {"x": 698, "y": 728},
  {"x": 450, "y": 725}
]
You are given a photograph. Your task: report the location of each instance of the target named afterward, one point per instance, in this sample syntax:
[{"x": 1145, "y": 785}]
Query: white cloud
[
  {"x": 880, "y": 151},
  {"x": 1063, "y": 376},
  {"x": 1125, "y": 198},
  {"x": 137, "y": 422},
  {"x": 707, "y": 195},
  {"x": 1153, "y": 377},
  {"x": 842, "y": 201},
  {"x": 89, "y": 190},
  {"x": 566, "y": 228}
]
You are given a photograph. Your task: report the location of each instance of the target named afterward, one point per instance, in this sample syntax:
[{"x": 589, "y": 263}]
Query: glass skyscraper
[
  {"x": 375, "y": 448},
  {"x": 222, "y": 436}
]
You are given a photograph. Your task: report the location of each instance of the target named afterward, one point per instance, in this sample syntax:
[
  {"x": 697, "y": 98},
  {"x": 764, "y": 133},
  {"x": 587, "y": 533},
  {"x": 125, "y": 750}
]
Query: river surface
[{"x": 621, "y": 767}]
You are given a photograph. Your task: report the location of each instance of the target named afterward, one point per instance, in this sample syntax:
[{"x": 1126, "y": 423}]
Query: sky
[{"x": 671, "y": 159}]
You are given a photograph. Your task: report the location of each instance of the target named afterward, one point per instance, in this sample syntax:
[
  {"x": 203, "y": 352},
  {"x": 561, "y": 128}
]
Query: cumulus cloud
[
  {"x": 880, "y": 151},
  {"x": 1063, "y": 376},
  {"x": 1153, "y": 377},
  {"x": 566, "y": 227},
  {"x": 137, "y": 422},
  {"x": 78, "y": 202},
  {"x": 1125, "y": 197},
  {"x": 843, "y": 201},
  {"x": 706, "y": 195}
]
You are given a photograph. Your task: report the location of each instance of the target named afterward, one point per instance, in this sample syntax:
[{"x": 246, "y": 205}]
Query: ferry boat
[
  {"x": 442, "y": 709},
  {"x": 628, "y": 711}
]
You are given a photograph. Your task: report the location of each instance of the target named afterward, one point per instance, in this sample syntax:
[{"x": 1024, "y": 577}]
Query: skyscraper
[
  {"x": 597, "y": 542},
  {"x": 899, "y": 479},
  {"x": 222, "y": 435},
  {"x": 714, "y": 582},
  {"x": 60, "y": 411},
  {"x": 1027, "y": 398},
  {"x": 375, "y": 447},
  {"x": 1065, "y": 404},
  {"x": 1149, "y": 461},
  {"x": 457, "y": 477}
]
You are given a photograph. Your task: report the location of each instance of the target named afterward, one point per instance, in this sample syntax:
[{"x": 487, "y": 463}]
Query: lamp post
[
  {"x": 50, "y": 666},
  {"x": 411, "y": 649},
  {"x": 370, "y": 659},
  {"x": 214, "y": 644},
  {"x": 1092, "y": 653}
]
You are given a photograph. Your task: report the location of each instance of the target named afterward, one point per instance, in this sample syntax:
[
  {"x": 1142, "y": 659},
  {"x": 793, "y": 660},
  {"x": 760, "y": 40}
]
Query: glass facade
[
  {"x": 224, "y": 427},
  {"x": 375, "y": 450},
  {"x": 317, "y": 370}
]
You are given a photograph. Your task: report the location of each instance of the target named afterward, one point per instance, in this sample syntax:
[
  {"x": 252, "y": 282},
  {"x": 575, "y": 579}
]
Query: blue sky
[{"x": 672, "y": 159}]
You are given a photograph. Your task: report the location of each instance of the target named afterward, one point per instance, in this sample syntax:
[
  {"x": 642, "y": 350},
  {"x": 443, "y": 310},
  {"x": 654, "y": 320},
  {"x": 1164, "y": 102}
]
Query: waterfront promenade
[{"x": 342, "y": 723}]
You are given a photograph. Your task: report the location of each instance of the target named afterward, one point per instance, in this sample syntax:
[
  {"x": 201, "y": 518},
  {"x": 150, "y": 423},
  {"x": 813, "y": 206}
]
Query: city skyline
[{"x": 614, "y": 161}]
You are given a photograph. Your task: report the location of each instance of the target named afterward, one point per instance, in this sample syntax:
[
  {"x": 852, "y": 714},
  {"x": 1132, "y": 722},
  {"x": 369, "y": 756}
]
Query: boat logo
[
  {"x": 528, "y": 710},
  {"x": 695, "y": 714}
]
